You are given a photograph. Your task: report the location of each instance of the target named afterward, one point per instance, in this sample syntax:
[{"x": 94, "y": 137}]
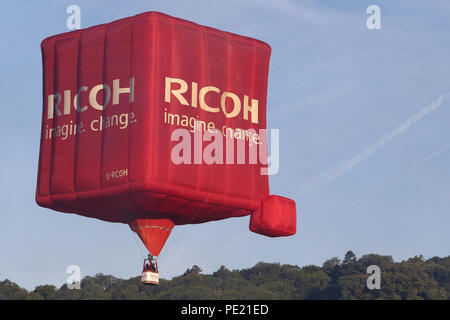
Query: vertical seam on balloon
[
  {"x": 154, "y": 134},
  {"x": 207, "y": 63},
  {"x": 252, "y": 90},
  {"x": 129, "y": 106},
  {"x": 130, "y": 191},
  {"x": 77, "y": 117},
  {"x": 103, "y": 110},
  {"x": 168, "y": 183},
  {"x": 52, "y": 153},
  {"x": 199, "y": 172},
  {"x": 42, "y": 126},
  {"x": 227, "y": 122},
  {"x": 154, "y": 102},
  {"x": 153, "y": 99},
  {"x": 172, "y": 53},
  {"x": 170, "y": 172},
  {"x": 265, "y": 117},
  {"x": 166, "y": 189}
]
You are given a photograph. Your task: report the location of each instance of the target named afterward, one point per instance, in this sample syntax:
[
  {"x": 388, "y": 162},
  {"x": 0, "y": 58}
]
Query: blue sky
[{"x": 364, "y": 128}]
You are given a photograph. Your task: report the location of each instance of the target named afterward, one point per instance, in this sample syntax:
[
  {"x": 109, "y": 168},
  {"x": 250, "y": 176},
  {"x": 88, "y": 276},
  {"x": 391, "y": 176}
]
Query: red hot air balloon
[{"x": 115, "y": 97}]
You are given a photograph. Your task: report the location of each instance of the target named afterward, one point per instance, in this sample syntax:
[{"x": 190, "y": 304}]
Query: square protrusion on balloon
[{"x": 276, "y": 217}]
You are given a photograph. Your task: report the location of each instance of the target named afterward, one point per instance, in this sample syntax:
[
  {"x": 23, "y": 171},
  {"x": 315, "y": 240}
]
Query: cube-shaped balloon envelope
[
  {"x": 153, "y": 117},
  {"x": 276, "y": 217}
]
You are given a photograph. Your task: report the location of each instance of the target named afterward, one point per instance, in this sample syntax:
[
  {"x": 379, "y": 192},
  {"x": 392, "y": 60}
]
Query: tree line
[{"x": 415, "y": 278}]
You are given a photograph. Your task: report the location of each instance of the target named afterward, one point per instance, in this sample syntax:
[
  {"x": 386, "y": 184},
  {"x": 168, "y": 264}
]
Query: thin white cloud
[
  {"x": 340, "y": 170},
  {"x": 433, "y": 155},
  {"x": 416, "y": 165}
]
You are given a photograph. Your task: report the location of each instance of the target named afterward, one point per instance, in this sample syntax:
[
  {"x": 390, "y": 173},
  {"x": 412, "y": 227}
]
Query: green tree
[
  {"x": 350, "y": 257},
  {"x": 194, "y": 270},
  {"x": 47, "y": 292},
  {"x": 11, "y": 291}
]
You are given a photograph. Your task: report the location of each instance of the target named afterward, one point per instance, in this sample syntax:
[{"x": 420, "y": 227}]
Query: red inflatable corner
[{"x": 276, "y": 217}]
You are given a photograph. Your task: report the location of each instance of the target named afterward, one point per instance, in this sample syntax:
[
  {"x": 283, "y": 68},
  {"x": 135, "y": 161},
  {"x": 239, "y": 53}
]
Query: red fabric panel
[
  {"x": 276, "y": 217},
  {"x": 153, "y": 232}
]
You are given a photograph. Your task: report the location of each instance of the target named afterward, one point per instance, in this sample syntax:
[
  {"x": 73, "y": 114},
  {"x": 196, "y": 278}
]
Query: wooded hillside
[{"x": 414, "y": 278}]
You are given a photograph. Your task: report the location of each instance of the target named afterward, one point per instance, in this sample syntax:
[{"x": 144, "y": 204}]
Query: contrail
[
  {"x": 404, "y": 172},
  {"x": 338, "y": 171},
  {"x": 433, "y": 155}
]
